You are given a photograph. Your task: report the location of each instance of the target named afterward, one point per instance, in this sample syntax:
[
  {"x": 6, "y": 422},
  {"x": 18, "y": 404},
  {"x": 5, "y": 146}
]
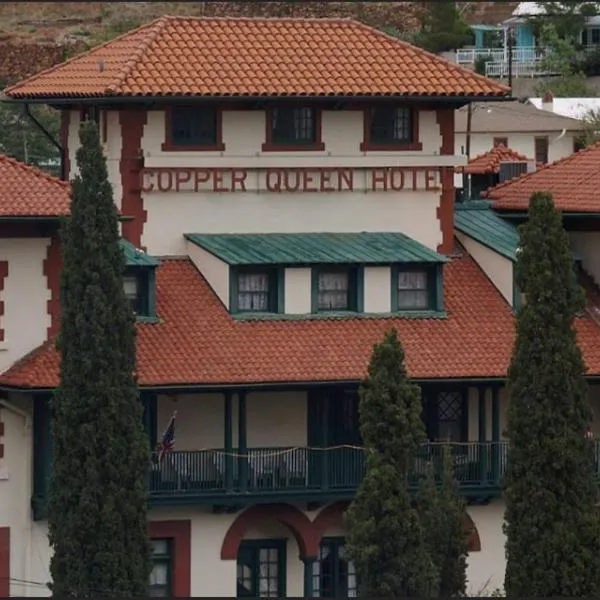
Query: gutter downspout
[
  {"x": 18, "y": 411},
  {"x": 560, "y": 136},
  {"x": 49, "y": 137}
]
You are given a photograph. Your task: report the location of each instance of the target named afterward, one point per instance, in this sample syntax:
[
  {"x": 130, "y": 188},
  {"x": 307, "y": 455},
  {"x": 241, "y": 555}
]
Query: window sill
[
  {"x": 368, "y": 146},
  {"x": 270, "y": 147},
  {"x": 146, "y": 319},
  {"x": 166, "y": 147},
  {"x": 339, "y": 316}
]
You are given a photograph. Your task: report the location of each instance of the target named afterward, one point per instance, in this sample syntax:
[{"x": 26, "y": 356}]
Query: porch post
[
  {"x": 228, "y": 434},
  {"x": 483, "y": 454},
  {"x": 308, "y": 576},
  {"x": 325, "y": 440},
  {"x": 496, "y": 433},
  {"x": 242, "y": 442}
]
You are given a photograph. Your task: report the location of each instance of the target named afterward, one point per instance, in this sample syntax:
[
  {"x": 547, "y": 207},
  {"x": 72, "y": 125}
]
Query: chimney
[{"x": 548, "y": 102}]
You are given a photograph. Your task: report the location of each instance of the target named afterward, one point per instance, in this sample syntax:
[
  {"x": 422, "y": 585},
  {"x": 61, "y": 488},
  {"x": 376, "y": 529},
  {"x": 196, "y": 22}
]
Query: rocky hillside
[{"x": 37, "y": 35}]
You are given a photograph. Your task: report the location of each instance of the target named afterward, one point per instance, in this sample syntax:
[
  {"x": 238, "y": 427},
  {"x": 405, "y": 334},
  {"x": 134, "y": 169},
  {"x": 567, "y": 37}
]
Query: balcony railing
[
  {"x": 523, "y": 54},
  {"x": 311, "y": 471}
]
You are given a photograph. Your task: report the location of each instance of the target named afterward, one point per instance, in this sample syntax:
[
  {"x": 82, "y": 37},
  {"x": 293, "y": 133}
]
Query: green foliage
[
  {"x": 480, "y": 63},
  {"x": 442, "y": 27},
  {"x": 442, "y": 514},
  {"x": 553, "y": 535},
  {"x": 591, "y": 131},
  {"x": 566, "y": 18},
  {"x": 99, "y": 487},
  {"x": 21, "y": 138},
  {"x": 384, "y": 535}
]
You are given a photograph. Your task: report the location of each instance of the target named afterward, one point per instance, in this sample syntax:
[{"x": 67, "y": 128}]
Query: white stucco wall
[
  {"x": 171, "y": 214},
  {"x": 497, "y": 267},
  {"x": 25, "y": 295},
  {"x": 378, "y": 290},
  {"x": 586, "y": 245},
  {"x": 214, "y": 270},
  {"x": 298, "y": 291}
]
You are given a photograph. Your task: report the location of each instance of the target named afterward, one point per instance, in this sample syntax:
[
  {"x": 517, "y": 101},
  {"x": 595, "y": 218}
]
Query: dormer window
[
  {"x": 416, "y": 288},
  {"x": 335, "y": 289},
  {"x": 194, "y": 127},
  {"x": 256, "y": 290},
  {"x": 131, "y": 288},
  {"x": 139, "y": 280},
  {"x": 293, "y": 128}
]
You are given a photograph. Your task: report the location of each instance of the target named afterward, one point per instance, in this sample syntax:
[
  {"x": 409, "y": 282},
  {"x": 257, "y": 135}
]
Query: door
[
  {"x": 333, "y": 574},
  {"x": 261, "y": 569}
]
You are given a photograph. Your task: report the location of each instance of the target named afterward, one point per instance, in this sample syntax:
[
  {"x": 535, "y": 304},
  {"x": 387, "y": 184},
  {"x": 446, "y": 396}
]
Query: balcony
[
  {"x": 307, "y": 474},
  {"x": 523, "y": 54}
]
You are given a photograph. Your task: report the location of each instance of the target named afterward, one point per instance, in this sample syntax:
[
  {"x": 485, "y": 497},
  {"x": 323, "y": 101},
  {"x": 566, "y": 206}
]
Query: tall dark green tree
[
  {"x": 442, "y": 514},
  {"x": 442, "y": 27},
  {"x": 384, "y": 535},
  {"x": 99, "y": 487},
  {"x": 553, "y": 541}
]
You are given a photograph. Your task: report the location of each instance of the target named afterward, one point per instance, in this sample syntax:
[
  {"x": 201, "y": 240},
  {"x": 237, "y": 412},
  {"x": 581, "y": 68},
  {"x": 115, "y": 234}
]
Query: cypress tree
[
  {"x": 442, "y": 513},
  {"x": 553, "y": 541},
  {"x": 99, "y": 486},
  {"x": 384, "y": 536}
]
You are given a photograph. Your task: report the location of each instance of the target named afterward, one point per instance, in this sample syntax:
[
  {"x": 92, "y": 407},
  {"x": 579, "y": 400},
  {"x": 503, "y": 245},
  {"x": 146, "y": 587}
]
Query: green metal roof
[
  {"x": 314, "y": 248},
  {"x": 478, "y": 221},
  {"x": 135, "y": 257}
]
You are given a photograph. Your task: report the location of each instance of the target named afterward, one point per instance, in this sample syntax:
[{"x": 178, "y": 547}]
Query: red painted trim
[
  {"x": 4, "y": 562},
  {"x": 270, "y": 146},
  {"x": 51, "y": 269},
  {"x": 65, "y": 120},
  {"x": 293, "y": 518},
  {"x": 132, "y": 205},
  {"x": 3, "y": 276},
  {"x": 1, "y": 440},
  {"x": 445, "y": 211},
  {"x": 473, "y": 543},
  {"x": 329, "y": 517},
  {"x": 180, "y": 534},
  {"x": 366, "y": 144},
  {"x": 170, "y": 146}
]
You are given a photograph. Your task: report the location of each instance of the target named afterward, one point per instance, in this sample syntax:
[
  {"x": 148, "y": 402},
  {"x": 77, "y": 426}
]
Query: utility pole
[
  {"x": 466, "y": 177},
  {"x": 510, "y": 58}
]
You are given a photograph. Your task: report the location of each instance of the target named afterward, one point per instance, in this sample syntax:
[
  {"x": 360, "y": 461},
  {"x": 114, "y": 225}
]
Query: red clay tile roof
[
  {"x": 198, "y": 342},
  {"x": 490, "y": 161},
  {"x": 573, "y": 181},
  {"x": 28, "y": 192},
  {"x": 225, "y": 56}
]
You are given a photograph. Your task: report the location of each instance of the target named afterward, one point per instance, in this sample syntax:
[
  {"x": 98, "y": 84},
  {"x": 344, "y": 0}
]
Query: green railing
[{"x": 336, "y": 469}]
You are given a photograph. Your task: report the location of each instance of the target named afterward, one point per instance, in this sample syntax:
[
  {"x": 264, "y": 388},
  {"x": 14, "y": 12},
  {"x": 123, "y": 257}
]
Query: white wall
[
  {"x": 497, "y": 267},
  {"x": 171, "y": 214},
  {"x": 586, "y": 244},
  {"x": 214, "y": 270},
  {"x": 25, "y": 295},
  {"x": 298, "y": 291},
  {"x": 521, "y": 142},
  {"x": 378, "y": 290}
]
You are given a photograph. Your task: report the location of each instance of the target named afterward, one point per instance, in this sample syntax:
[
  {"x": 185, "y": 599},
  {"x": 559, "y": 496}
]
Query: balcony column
[
  {"x": 497, "y": 451},
  {"x": 308, "y": 576},
  {"x": 242, "y": 443},
  {"x": 483, "y": 454},
  {"x": 325, "y": 441},
  {"x": 228, "y": 441}
]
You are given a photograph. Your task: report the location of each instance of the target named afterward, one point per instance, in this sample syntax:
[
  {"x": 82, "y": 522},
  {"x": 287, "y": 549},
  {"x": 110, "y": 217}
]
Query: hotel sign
[{"x": 290, "y": 180}]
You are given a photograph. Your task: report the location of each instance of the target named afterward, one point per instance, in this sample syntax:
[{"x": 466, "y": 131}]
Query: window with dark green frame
[
  {"x": 391, "y": 125},
  {"x": 261, "y": 569},
  {"x": 293, "y": 125},
  {"x": 255, "y": 289},
  {"x": 336, "y": 289},
  {"x": 333, "y": 573},
  {"x": 193, "y": 126},
  {"x": 416, "y": 288},
  {"x": 136, "y": 285},
  {"x": 160, "y": 576}
]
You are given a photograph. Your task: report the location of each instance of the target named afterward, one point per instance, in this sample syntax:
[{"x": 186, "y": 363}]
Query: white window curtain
[
  {"x": 333, "y": 291},
  {"x": 412, "y": 290},
  {"x": 253, "y": 292}
]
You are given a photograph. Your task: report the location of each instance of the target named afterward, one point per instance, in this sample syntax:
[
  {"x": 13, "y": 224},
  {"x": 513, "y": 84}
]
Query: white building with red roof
[{"x": 291, "y": 183}]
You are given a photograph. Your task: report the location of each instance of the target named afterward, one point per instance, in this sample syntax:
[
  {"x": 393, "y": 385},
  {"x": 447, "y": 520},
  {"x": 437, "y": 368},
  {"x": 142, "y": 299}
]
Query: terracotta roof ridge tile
[
  {"x": 454, "y": 67},
  {"x": 33, "y": 170},
  {"x": 155, "y": 29},
  {"x": 17, "y": 86},
  {"x": 261, "y": 19},
  {"x": 488, "y": 193}
]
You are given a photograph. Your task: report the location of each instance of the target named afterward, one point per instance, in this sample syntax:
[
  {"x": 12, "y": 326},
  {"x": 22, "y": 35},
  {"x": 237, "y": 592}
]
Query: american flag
[{"x": 168, "y": 439}]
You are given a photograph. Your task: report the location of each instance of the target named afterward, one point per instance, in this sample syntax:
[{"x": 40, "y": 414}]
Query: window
[
  {"x": 412, "y": 290},
  {"x": 131, "y": 287},
  {"x": 193, "y": 128},
  {"x": 160, "y": 576},
  {"x": 334, "y": 575},
  {"x": 293, "y": 127},
  {"x": 139, "y": 288},
  {"x": 261, "y": 569},
  {"x": 450, "y": 421},
  {"x": 391, "y": 126},
  {"x": 541, "y": 150},
  {"x": 256, "y": 290},
  {"x": 501, "y": 141},
  {"x": 336, "y": 289}
]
